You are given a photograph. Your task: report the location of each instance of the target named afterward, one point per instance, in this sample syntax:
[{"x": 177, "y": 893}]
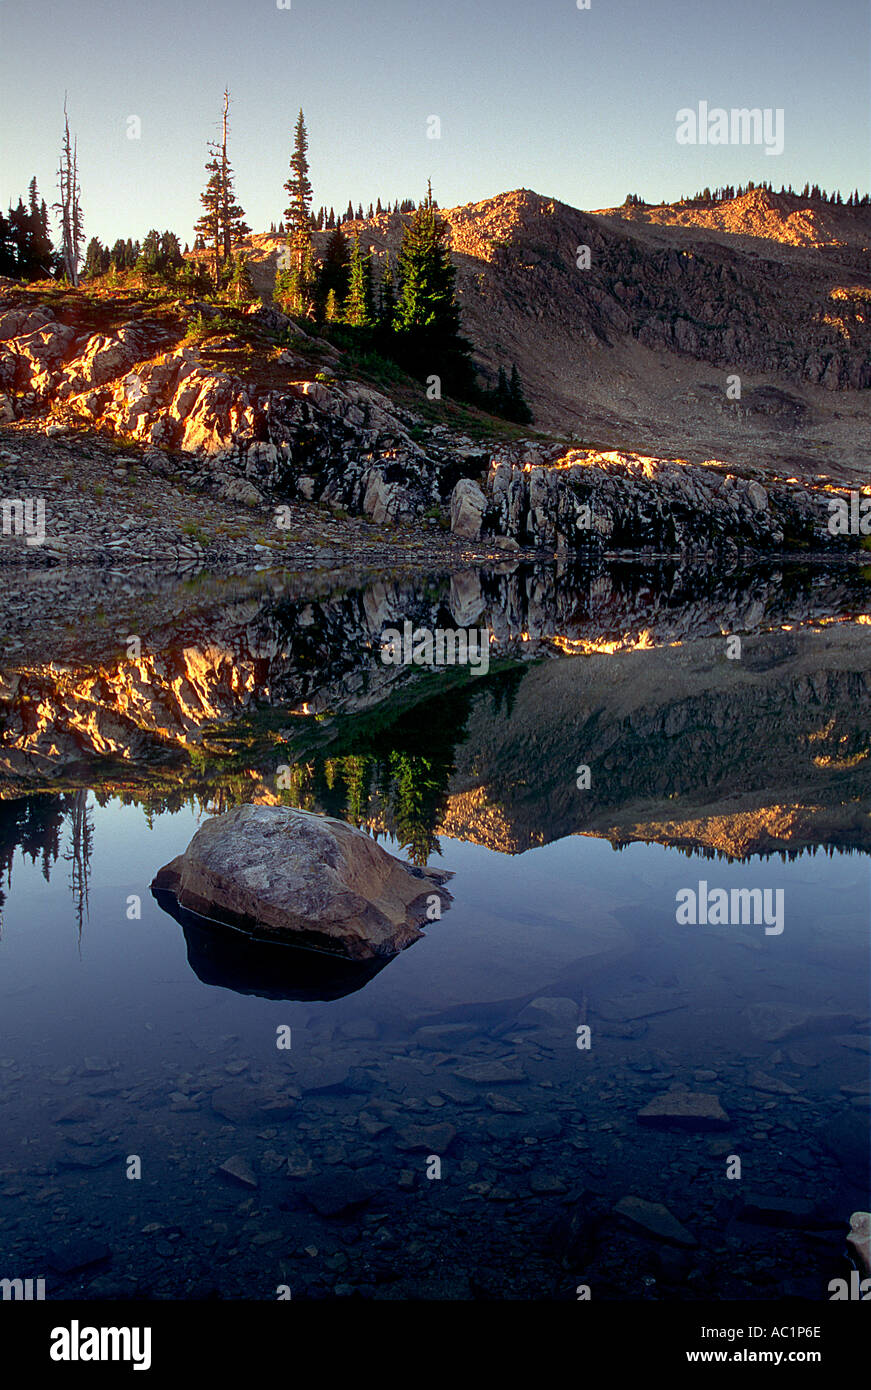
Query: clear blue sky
[{"x": 576, "y": 104}]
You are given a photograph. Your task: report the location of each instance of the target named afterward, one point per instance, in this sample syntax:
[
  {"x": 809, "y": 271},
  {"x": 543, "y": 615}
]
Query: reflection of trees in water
[
  {"x": 79, "y": 853},
  {"x": 393, "y": 776},
  {"x": 35, "y": 825},
  {"x": 397, "y": 778}
]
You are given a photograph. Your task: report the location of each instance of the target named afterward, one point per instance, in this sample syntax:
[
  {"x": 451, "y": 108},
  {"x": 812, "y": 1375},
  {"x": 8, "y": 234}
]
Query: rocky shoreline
[{"x": 139, "y": 445}]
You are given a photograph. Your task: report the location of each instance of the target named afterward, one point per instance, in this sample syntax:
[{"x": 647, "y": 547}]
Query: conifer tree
[
  {"x": 519, "y": 409},
  {"x": 426, "y": 275},
  {"x": 503, "y": 395},
  {"x": 208, "y": 226},
  {"x": 93, "y": 259},
  {"x": 222, "y": 225},
  {"x": 299, "y": 190},
  {"x": 170, "y": 253},
  {"x": 359, "y": 307},
  {"x": 8, "y": 265},
  {"x": 296, "y": 286},
  {"x": 427, "y": 319},
  {"x": 386, "y": 297},
  {"x": 240, "y": 282},
  {"x": 234, "y": 228},
  {"x": 149, "y": 256},
  {"x": 41, "y": 249},
  {"x": 333, "y": 275}
]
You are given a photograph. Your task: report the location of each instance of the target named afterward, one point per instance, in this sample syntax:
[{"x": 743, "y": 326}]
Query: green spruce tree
[
  {"x": 427, "y": 320},
  {"x": 520, "y": 411},
  {"x": 386, "y": 297},
  {"x": 333, "y": 275},
  {"x": 297, "y": 285},
  {"x": 208, "y": 227},
  {"x": 359, "y": 305}
]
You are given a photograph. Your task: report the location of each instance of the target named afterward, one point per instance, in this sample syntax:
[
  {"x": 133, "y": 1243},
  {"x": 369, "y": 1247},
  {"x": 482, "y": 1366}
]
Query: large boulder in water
[{"x": 315, "y": 881}]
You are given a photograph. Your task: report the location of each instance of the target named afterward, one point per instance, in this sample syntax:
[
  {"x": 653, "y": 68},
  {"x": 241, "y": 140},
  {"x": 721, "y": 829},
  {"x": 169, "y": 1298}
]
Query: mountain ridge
[{"x": 634, "y": 351}]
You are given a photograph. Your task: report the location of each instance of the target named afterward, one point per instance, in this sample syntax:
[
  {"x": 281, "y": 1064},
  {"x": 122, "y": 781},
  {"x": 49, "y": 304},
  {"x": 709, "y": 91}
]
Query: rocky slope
[
  {"x": 248, "y": 421},
  {"x": 634, "y": 351}
]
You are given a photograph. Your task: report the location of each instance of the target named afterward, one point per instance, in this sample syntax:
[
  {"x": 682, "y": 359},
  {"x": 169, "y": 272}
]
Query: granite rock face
[{"x": 315, "y": 880}]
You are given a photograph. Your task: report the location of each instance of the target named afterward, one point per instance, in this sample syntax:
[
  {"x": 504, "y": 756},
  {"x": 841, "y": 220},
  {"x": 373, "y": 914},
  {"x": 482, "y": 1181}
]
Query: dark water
[{"x": 435, "y": 1131}]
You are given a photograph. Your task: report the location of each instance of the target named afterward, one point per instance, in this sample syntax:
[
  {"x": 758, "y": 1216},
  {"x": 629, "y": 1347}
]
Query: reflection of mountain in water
[
  {"x": 285, "y": 698},
  {"x": 246, "y": 964}
]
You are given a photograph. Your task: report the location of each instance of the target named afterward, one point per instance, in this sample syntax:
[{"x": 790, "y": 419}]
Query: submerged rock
[
  {"x": 654, "y": 1219},
  {"x": 684, "y": 1110},
  {"x": 239, "y": 1170},
  {"x": 312, "y": 879}
]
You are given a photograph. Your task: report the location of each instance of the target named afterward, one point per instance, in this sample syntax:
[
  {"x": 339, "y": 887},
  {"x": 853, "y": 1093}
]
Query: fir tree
[
  {"x": 8, "y": 266},
  {"x": 427, "y": 318},
  {"x": 359, "y": 306},
  {"x": 149, "y": 257},
  {"x": 298, "y": 186},
  {"x": 240, "y": 282},
  {"x": 93, "y": 259},
  {"x": 519, "y": 410},
  {"x": 502, "y": 403},
  {"x": 234, "y": 228},
  {"x": 222, "y": 225},
  {"x": 208, "y": 226},
  {"x": 41, "y": 249},
  {"x": 426, "y": 275},
  {"x": 333, "y": 275},
  {"x": 386, "y": 297},
  {"x": 297, "y": 285}
]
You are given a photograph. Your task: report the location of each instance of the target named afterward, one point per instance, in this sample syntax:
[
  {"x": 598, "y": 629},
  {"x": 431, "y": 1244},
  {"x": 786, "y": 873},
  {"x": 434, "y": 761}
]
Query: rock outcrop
[
  {"x": 316, "y": 881},
  {"x": 344, "y": 444}
]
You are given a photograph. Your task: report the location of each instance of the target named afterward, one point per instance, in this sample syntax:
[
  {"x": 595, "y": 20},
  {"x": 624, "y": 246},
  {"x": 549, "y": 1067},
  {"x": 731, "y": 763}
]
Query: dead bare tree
[{"x": 72, "y": 233}]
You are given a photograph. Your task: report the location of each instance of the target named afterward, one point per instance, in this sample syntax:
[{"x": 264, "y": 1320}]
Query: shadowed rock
[{"x": 307, "y": 878}]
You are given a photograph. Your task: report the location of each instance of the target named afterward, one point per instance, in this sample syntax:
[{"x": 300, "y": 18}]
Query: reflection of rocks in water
[
  {"x": 224, "y": 956},
  {"x": 296, "y": 645}
]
